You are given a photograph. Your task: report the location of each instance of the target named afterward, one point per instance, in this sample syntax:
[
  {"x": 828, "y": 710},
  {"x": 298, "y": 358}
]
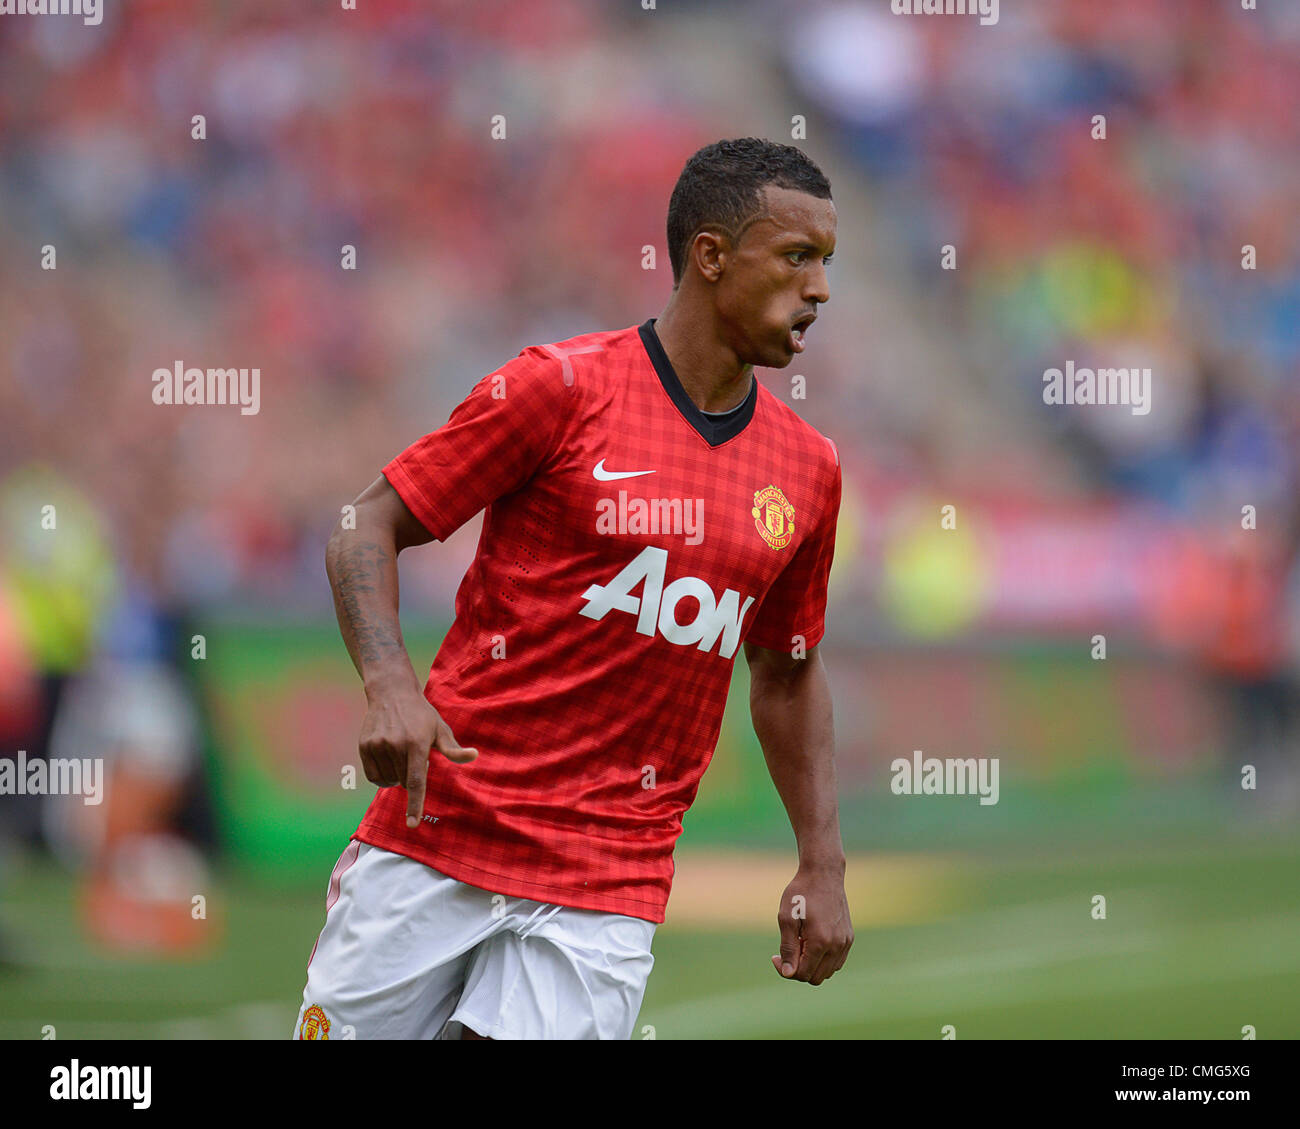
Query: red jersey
[{"x": 631, "y": 543}]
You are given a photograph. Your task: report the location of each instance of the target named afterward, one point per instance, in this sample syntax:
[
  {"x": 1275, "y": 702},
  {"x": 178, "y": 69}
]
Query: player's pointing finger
[{"x": 417, "y": 775}]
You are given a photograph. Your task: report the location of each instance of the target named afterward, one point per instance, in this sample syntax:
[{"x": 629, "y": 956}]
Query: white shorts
[{"x": 409, "y": 953}]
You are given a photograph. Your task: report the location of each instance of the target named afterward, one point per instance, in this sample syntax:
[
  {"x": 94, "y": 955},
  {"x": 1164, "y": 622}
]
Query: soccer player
[{"x": 650, "y": 507}]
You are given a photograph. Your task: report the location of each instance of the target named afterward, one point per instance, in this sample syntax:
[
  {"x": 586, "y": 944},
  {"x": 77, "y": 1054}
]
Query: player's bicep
[
  {"x": 380, "y": 508},
  {"x": 766, "y": 662}
]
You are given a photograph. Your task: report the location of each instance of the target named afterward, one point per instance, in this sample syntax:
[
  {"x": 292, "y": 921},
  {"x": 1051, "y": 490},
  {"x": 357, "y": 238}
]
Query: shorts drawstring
[{"x": 529, "y": 927}]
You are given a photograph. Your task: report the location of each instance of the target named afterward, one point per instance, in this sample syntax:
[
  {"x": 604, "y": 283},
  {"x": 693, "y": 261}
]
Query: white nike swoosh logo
[{"x": 603, "y": 475}]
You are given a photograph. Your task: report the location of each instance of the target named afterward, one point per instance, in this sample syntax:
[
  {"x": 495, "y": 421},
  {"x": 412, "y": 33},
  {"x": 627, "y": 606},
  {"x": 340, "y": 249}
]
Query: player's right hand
[{"x": 399, "y": 732}]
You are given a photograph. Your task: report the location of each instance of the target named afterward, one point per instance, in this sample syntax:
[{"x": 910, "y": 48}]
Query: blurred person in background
[
  {"x": 1246, "y": 650},
  {"x": 134, "y": 711},
  {"x": 95, "y": 680},
  {"x": 56, "y": 576}
]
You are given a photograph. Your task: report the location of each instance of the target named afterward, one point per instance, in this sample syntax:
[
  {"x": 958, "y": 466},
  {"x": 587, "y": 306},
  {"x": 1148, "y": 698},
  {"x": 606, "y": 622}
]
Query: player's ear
[{"x": 710, "y": 249}]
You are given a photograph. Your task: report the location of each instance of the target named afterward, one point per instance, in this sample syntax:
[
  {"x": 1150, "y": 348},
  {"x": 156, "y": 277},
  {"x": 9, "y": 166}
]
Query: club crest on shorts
[
  {"x": 315, "y": 1024},
  {"x": 773, "y": 516}
]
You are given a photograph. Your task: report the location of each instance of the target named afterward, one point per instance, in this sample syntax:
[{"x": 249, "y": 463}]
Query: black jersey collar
[{"x": 714, "y": 431}]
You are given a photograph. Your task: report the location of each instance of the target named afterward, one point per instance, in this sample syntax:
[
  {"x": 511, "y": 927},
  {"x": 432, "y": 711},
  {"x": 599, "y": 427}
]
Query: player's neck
[{"x": 712, "y": 375}]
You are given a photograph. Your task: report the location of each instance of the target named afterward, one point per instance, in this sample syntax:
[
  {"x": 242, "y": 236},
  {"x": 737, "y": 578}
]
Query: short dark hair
[{"x": 722, "y": 187}]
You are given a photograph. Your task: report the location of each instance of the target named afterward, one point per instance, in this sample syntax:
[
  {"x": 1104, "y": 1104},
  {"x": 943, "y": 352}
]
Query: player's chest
[{"x": 730, "y": 517}]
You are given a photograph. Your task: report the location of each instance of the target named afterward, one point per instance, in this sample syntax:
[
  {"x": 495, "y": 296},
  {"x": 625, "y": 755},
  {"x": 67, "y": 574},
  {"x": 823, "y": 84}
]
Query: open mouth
[{"x": 798, "y": 330}]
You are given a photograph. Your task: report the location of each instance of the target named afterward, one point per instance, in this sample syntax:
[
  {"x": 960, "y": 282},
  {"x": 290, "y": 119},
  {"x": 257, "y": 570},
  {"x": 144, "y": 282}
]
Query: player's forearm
[
  {"x": 792, "y": 718},
  {"x": 362, "y": 569}
]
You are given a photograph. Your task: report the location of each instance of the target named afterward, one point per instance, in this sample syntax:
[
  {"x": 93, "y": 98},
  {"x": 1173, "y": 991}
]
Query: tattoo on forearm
[{"x": 357, "y": 573}]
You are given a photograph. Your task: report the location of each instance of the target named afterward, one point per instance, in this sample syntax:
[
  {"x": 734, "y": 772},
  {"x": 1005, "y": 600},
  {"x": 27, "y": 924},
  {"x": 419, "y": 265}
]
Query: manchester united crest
[
  {"x": 315, "y": 1023},
  {"x": 774, "y": 516}
]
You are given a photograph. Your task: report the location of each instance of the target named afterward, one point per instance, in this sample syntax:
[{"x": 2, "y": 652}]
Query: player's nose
[{"x": 818, "y": 287}]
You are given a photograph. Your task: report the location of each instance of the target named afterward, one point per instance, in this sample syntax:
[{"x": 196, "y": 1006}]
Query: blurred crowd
[
  {"x": 1116, "y": 242},
  {"x": 1119, "y": 184},
  {"x": 199, "y": 170}
]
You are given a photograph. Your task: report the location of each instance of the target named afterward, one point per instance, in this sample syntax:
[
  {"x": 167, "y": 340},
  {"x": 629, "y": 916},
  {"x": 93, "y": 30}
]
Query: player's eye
[{"x": 798, "y": 257}]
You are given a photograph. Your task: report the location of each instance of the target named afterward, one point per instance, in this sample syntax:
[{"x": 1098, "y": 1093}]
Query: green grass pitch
[{"x": 1200, "y": 939}]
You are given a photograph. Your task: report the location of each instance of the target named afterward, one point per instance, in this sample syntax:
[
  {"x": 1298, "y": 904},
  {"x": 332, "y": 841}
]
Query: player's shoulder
[
  {"x": 547, "y": 381},
  {"x": 588, "y": 354},
  {"x": 796, "y": 433}
]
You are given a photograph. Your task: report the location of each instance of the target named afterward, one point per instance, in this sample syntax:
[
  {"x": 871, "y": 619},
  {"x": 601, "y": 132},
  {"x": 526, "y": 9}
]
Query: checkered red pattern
[{"x": 595, "y": 715}]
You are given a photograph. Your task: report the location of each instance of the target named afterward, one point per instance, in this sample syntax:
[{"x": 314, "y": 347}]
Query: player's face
[{"x": 776, "y": 278}]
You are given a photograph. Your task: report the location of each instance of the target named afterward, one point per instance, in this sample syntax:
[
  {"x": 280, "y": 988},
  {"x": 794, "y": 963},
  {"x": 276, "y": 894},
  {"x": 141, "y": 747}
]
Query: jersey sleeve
[
  {"x": 493, "y": 443},
  {"x": 795, "y": 603}
]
